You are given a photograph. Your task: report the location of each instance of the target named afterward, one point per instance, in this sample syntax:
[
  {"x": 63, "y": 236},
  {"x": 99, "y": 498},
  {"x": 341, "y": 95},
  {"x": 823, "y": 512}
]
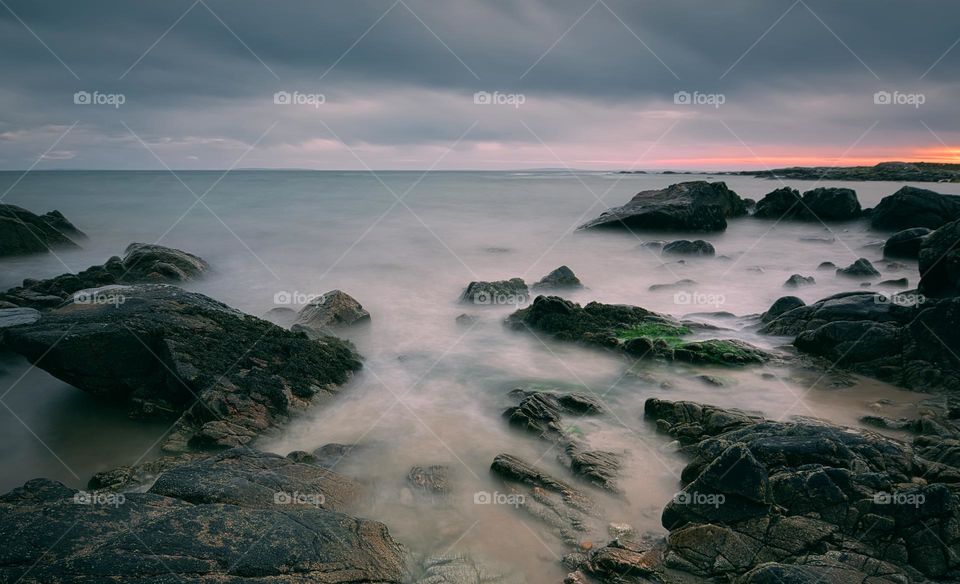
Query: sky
[{"x": 477, "y": 84}]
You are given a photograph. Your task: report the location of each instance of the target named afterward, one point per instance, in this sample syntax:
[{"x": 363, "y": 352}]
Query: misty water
[{"x": 432, "y": 390}]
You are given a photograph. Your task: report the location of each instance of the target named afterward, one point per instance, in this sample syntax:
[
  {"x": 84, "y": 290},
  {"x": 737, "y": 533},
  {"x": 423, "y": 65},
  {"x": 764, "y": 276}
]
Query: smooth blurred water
[{"x": 432, "y": 391}]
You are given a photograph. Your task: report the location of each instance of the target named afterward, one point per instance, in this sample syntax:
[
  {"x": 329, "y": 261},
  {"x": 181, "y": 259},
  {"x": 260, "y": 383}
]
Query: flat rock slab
[{"x": 17, "y": 316}]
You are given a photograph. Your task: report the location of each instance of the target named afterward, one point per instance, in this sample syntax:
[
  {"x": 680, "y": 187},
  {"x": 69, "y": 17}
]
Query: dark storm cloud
[{"x": 196, "y": 73}]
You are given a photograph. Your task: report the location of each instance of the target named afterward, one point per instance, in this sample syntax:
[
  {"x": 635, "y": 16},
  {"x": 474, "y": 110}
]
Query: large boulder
[
  {"x": 940, "y": 262},
  {"x": 226, "y": 376},
  {"x": 141, "y": 263},
  {"x": 264, "y": 519},
  {"x": 330, "y": 312},
  {"x": 759, "y": 494},
  {"x": 23, "y": 232},
  {"x": 906, "y": 243},
  {"x": 560, "y": 279},
  {"x": 913, "y": 207},
  {"x": 689, "y": 206},
  {"x": 825, "y": 204}
]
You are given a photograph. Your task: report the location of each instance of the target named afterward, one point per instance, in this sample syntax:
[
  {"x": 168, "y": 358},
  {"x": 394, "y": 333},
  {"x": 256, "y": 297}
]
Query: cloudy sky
[{"x": 395, "y": 84}]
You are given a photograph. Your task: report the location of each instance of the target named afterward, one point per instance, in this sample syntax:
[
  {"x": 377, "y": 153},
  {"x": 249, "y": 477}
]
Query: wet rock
[
  {"x": 825, "y": 204},
  {"x": 329, "y": 313},
  {"x": 225, "y": 376},
  {"x": 796, "y": 280},
  {"x": 689, "y": 206},
  {"x": 142, "y": 263},
  {"x": 827, "y": 266},
  {"x": 697, "y": 247},
  {"x": 782, "y": 305},
  {"x": 782, "y": 202},
  {"x": 940, "y": 262},
  {"x": 862, "y": 268},
  {"x": 898, "y": 283},
  {"x": 678, "y": 284},
  {"x": 906, "y": 243},
  {"x": 912, "y": 207},
  {"x": 17, "y": 316},
  {"x": 451, "y": 568},
  {"x": 622, "y": 561},
  {"x": 500, "y": 293},
  {"x": 433, "y": 480},
  {"x": 23, "y": 232},
  {"x": 559, "y": 279},
  {"x": 333, "y": 454}
]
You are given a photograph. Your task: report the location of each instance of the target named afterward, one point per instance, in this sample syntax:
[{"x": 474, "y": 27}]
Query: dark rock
[
  {"x": 142, "y": 263},
  {"x": 330, "y": 312},
  {"x": 559, "y": 279},
  {"x": 501, "y": 293},
  {"x": 940, "y": 262},
  {"x": 678, "y": 284},
  {"x": 913, "y": 207},
  {"x": 780, "y": 203},
  {"x": 698, "y": 247},
  {"x": 862, "y": 268},
  {"x": 825, "y": 204},
  {"x": 898, "y": 283},
  {"x": 796, "y": 280},
  {"x": 330, "y": 455},
  {"x": 906, "y": 243},
  {"x": 23, "y": 232},
  {"x": 827, "y": 266},
  {"x": 225, "y": 375},
  {"x": 466, "y": 319},
  {"x": 783, "y": 304},
  {"x": 689, "y": 206}
]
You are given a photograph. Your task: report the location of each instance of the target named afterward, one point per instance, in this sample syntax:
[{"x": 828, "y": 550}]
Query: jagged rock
[
  {"x": 780, "y": 203},
  {"x": 797, "y": 280},
  {"x": 142, "y": 263},
  {"x": 940, "y": 262},
  {"x": 689, "y": 206},
  {"x": 825, "y": 204},
  {"x": 913, "y": 207},
  {"x": 906, "y": 243},
  {"x": 559, "y": 279},
  {"x": 23, "y": 232},
  {"x": 862, "y": 268},
  {"x": 501, "y": 293},
  {"x": 698, "y": 247},
  {"x": 226, "y": 376},
  {"x": 328, "y": 313}
]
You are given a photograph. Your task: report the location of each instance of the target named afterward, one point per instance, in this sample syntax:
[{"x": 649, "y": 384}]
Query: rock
[
  {"x": 827, "y": 266},
  {"x": 226, "y": 376},
  {"x": 796, "y": 280},
  {"x": 678, "y": 284},
  {"x": 433, "y": 481},
  {"x": 281, "y": 316},
  {"x": 146, "y": 537},
  {"x": 689, "y": 206},
  {"x": 142, "y": 263},
  {"x": 762, "y": 498},
  {"x": 23, "y": 232},
  {"x": 898, "y": 283},
  {"x": 559, "y": 279},
  {"x": 466, "y": 319},
  {"x": 698, "y": 247},
  {"x": 913, "y": 207},
  {"x": 824, "y": 204},
  {"x": 17, "y": 316},
  {"x": 862, "y": 268},
  {"x": 782, "y": 305},
  {"x": 450, "y": 568},
  {"x": 906, "y": 243},
  {"x": 501, "y": 293},
  {"x": 940, "y": 262},
  {"x": 331, "y": 455},
  {"x": 329, "y": 313}
]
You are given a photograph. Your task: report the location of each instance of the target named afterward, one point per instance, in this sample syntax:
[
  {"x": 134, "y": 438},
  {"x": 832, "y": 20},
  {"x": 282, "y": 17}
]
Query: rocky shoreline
[{"x": 761, "y": 500}]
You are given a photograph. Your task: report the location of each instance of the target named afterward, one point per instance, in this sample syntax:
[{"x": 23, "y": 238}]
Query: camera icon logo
[
  {"x": 682, "y": 498},
  {"x": 83, "y": 498},
  {"x": 282, "y": 98},
  {"x": 82, "y": 98},
  {"x": 283, "y": 298},
  {"x": 482, "y": 98},
  {"x": 482, "y": 297},
  {"x": 682, "y": 98},
  {"x": 682, "y": 298},
  {"x": 882, "y": 98},
  {"x": 482, "y": 498},
  {"x": 282, "y": 498}
]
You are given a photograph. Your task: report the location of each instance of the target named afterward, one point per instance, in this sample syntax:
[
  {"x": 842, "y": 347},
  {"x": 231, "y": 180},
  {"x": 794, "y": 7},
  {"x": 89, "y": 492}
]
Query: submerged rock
[
  {"x": 142, "y": 263},
  {"x": 689, "y": 206},
  {"x": 698, "y": 247},
  {"x": 433, "y": 481},
  {"x": 500, "y": 293},
  {"x": 561, "y": 278},
  {"x": 678, "y": 284},
  {"x": 824, "y": 204},
  {"x": 906, "y": 243},
  {"x": 862, "y": 268},
  {"x": 23, "y": 232},
  {"x": 265, "y": 520},
  {"x": 940, "y": 262},
  {"x": 328, "y": 313},
  {"x": 226, "y": 376},
  {"x": 913, "y": 207},
  {"x": 796, "y": 280}
]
